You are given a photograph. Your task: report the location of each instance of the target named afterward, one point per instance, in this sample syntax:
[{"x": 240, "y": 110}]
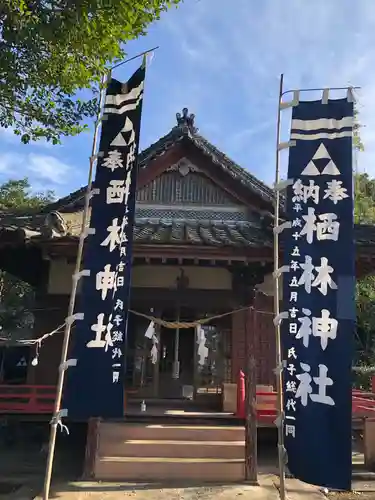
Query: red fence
[
  {"x": 266, "y": 404},
  {"x": 39, "y": 399},
  {"x": 27, "y": 399}
]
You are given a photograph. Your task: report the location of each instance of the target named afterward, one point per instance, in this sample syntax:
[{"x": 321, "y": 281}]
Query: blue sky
[{"x": 222, "y": 59}]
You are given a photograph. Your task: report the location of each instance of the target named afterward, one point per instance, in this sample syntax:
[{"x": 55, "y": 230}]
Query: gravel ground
[
  {"x": 110, "y": 491},
  {"x": 354, "y": 495}
]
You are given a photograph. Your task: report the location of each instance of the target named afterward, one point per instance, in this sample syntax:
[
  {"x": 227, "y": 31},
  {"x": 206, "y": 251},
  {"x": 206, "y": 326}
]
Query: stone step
[
  {"x": 158, "y": 469},
  {"x": 172, "y": 448},
  {"x": 113, "y": 432}
]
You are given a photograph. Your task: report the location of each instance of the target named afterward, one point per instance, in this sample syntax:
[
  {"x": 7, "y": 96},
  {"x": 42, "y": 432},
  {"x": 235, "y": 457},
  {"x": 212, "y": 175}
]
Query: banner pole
[
  {"x": 279, "y": 360},
  {"x": 57, "y": 413},
  {"x": 56, "y": 419},
  {"x": 317, "y": 89}
]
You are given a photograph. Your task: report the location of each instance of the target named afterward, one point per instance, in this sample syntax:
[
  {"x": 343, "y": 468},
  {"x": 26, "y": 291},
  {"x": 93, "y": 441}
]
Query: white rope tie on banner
[
  {"x": 94, "y": 192},
  {"x": 279, "y": 368},
  {"x": 284, "y": 453},
  {"x": 81, "y": 274},
  {"x": 69, "y": 362},
  {"x": 290, "y": 104},
  {"x": 278, "y": 319},
  {"x": 286, "y": 145},
  {"x": 150, "y": 57},
  {"x": 283, "y": 269},
  {"x": 280, "y": 186},
  {"x": 279, "y": 420},
  {"x": 56, "y": 421},
  {"x": 74, "y": 317},
  {"x": 350, "y": 95},
  {"x": 281, "y": 227},
  {"x": 89, "y": 231},
  {"x": 325, "y": 96}
]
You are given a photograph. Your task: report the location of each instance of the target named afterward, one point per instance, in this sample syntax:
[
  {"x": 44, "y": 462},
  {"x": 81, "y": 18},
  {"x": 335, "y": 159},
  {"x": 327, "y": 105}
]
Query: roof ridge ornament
[
  {"x": 185, "y": 122},
  {"x": 54, "y": 225}
]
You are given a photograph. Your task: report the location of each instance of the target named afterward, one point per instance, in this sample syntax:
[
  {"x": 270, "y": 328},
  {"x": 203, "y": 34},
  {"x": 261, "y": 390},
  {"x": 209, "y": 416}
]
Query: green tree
[
  {"x": 16, "y": 296},
  {"x": 49, "y": 50},
  {"x": 364, "y": 213},
  {"x": 364, "y": 201},
  {"x": 365, "y": 338},
  {"x": 16, "y": 195},
  {"x": 357, "y": 141}
]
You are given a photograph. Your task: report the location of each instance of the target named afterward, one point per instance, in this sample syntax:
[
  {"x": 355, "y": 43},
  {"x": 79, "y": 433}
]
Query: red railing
[
  {"x": 27, "y": 399},
  {"x": 363, "y": 405},
  {"x": 39, "y": 399},
  {"x": 266, "y": 403}
]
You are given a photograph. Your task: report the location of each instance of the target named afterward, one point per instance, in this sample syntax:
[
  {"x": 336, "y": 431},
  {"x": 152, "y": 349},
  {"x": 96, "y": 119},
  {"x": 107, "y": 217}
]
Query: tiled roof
[
  {"x": 198, "y": 232},
  {"x": 148, "y": 230},
  {"x": 166, "y": 231}
]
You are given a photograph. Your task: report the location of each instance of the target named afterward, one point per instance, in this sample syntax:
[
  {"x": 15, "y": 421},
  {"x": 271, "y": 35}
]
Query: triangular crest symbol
[
  {"x": 321, "y": 153},
  {"x": 22, "y": 362},
  {"x": 330, "y": 169},
  {"x": 119, "y": 140},
  {"x": 310, "y": 169}
]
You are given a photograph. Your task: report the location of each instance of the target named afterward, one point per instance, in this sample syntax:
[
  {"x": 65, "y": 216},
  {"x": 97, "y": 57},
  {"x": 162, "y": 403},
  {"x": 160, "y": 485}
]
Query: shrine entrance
[{"x": 174, "y": 362}]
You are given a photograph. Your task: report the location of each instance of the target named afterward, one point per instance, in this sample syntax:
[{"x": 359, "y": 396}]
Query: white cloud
[
  {"x": 42, "y": 170},
  {"x": 8, "y": 162},
  {"x": 49, "y": 168},
  {"x": 239, "y": 49}
]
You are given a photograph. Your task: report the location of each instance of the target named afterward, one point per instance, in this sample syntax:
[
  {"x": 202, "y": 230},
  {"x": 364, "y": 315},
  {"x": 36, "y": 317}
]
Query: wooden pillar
[
  {"x": 244, "y": 281},
  {"x": 369, "y": 443},
  {"x": 251, "y": 451},
  {"x": 92, "y": 443}
]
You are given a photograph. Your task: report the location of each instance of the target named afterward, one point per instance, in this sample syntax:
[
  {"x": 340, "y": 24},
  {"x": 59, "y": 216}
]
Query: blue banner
[
  {"x": 318, "y": 294},
  {"x": 95, "y": 386}
]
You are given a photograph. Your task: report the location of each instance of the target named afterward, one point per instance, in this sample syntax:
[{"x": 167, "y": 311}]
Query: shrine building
[{"x": 203, "y": 242}]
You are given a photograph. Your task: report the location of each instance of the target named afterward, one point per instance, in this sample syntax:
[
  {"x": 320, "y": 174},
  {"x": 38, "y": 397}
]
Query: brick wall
[{"x": 261, "y": 326}]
